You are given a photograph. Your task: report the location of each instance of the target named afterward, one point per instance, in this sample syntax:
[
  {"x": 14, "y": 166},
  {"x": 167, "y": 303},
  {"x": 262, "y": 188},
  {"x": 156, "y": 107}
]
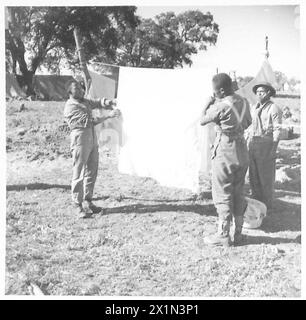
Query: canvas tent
[
  {"x": 265, "y": 73},
  {"x": 51, "y": 87},
  {"x": 13, "y": 89}
]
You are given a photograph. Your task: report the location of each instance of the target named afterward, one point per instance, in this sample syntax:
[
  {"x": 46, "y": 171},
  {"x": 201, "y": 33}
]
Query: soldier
[
  {"x": 230, "y": 112},
  {"x": 84, "y": 146},
  {"x": 263, "y": 140}
]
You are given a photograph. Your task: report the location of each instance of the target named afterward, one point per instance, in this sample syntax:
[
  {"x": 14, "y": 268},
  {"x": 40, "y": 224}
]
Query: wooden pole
[
  {"x": 81, "y": 54},
  {"x": 7, "y": 16},
  {"x": 267, "y": 47}
]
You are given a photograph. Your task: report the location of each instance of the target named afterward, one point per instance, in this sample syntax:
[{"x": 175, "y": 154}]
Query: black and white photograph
[{"x": 152, "y": 150}]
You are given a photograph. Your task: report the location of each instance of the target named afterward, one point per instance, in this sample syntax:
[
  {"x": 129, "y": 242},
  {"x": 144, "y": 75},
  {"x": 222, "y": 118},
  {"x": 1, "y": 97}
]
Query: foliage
[
  {"x": 168, "y": 41},
  {"x": 44, "y": 35}
]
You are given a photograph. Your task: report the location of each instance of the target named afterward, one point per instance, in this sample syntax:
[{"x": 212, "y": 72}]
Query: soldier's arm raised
[
  {"x": 208, "y": 115},
  {"x": 102, "y": 103}
]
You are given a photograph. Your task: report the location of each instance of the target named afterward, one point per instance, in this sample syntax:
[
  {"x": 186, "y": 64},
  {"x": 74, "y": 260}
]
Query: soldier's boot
[
  {"x": 221, "y": 237},
  {"x": 91, "y": 207},
  {"x": 238, "y": 236},
  {"x": 79, "y": 212},
  {"x": 86, "y": 210}
]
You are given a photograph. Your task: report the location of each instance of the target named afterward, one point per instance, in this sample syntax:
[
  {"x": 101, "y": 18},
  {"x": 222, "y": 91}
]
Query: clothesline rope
[
  {"x": 107, "y": 64},
  {"x": 118, "y": 66}
]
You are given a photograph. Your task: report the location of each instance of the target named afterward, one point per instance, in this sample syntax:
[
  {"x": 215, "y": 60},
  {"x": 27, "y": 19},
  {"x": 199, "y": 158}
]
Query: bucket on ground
[{"x": 254, "y": 214}]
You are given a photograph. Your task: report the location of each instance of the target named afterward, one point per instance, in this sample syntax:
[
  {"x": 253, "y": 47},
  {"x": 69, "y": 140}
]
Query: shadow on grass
[
  {"x": 294, "y": 136},
  {"x": 289, "y": 188},
  {"x": 253, "y": 240},
  {"x": 203, "y": 195},
  {"x": 288, "y": 156},
  {"x": 285, "y": 216},
  {"x": 207, "y": 210},
  {"x": 36, "y": 186},
  {"x": 139, "y": 199}
]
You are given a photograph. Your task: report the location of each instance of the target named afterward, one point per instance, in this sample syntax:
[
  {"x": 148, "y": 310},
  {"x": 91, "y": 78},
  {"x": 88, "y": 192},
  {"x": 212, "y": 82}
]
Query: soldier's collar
[
  {"x": 224, "y": 99},
  {"x": 268, "y": 102},
  {"x": 259, "y": 105}
]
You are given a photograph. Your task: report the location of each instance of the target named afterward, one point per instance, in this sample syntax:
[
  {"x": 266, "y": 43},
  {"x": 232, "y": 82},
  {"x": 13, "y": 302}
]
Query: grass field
[{"x": 149, "y": 240}]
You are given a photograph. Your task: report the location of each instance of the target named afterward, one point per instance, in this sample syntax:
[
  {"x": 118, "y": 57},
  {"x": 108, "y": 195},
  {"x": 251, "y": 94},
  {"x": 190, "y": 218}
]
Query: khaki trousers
[
  {"x": 85, "y": 156},
  {"x": 262, "y": 169},
  {"x": 229, "y": 167}
]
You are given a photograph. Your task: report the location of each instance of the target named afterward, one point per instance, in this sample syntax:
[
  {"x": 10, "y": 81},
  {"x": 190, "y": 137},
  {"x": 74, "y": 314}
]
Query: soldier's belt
[{"x": 264, "y": 138}]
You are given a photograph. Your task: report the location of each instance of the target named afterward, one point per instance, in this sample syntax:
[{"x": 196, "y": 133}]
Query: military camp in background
[
  {"x": 47, "y": 87},
  {"x": 53, "y": 88},
  {"x": 105, "y": 82},
  {"x": 265, "y": 73}
]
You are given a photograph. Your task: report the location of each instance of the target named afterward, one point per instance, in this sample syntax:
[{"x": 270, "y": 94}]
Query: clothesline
[
  {"x": 116, "y": 66},
  {"x": 108, "y": 64}
]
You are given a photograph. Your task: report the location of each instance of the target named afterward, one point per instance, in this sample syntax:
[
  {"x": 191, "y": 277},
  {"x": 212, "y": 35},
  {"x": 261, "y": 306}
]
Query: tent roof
[
  {"x": 52, "y": 87},
  {"x": 265, "y": 73}
]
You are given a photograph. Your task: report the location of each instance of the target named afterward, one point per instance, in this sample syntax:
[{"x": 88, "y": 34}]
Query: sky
[{"x": 241, "y": 42}]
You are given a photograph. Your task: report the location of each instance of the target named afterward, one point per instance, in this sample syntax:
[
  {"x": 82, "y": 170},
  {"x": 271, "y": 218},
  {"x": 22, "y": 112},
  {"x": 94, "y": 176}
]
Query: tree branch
[{"x": 17, "y": 52}]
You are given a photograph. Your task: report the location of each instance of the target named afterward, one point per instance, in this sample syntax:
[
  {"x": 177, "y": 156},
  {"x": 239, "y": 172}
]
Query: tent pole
[
  {"x": 81, "y": 54},
  {"x": 267, "y": 48}
]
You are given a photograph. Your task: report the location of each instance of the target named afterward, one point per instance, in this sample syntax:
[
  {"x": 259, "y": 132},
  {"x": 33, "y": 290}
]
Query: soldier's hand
[
  {"x": 115, "y": 113},
  {"x": 273, "y": 150},
  {"x": 114, "y": 103},
  {"x": 96, "y": 121},
  {"x": 111, "y": 103}
]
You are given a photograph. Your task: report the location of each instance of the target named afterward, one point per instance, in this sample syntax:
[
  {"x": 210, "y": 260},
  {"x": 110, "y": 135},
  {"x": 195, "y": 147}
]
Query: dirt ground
[{"x": 148, "y": 241}]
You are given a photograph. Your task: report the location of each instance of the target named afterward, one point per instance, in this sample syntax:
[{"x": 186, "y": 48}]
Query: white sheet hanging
[{"x": 161, "y": 112}]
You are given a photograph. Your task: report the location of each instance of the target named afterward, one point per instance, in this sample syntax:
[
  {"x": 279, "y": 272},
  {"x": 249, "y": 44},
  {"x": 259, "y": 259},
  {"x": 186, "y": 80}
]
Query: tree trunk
[
  {"x": 17, "y": 50},
  {"x": 28, "y": 84},
  {"x": 15, "y": 45}
]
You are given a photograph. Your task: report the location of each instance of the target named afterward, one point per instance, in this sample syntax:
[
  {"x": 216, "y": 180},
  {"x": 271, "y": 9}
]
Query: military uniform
[
  {"x": 264, "y": 133},
  {"x": 84, "y": 147},
  {"x": 229, "y": 159}
]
